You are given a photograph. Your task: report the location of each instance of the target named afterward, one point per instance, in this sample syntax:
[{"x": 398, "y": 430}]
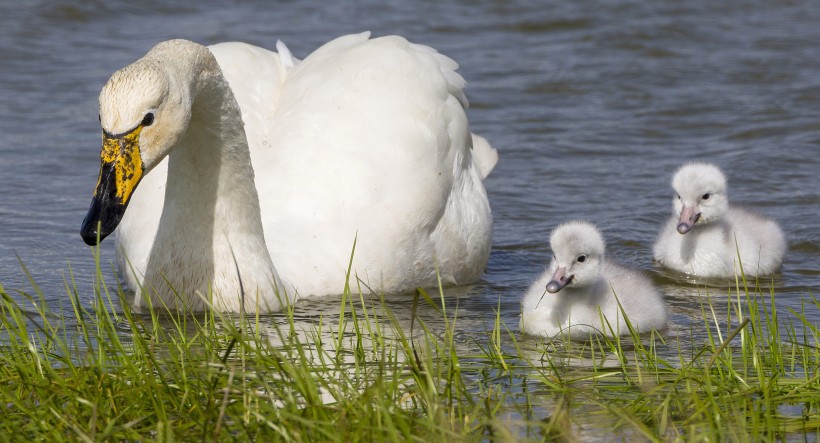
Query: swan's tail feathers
[
  {"x": 485, "y": 156},
  {"x": 285, "y": 56}
]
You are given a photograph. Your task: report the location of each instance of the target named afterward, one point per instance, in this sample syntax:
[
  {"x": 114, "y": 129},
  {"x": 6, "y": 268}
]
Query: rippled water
[{"x": 592, "y": 108}]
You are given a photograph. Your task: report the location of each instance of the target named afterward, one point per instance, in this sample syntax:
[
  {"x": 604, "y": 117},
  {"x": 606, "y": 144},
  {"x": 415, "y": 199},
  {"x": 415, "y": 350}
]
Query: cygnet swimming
[
  {"x": 581, "y": 286},
  {"x": 706, "y": 235}
]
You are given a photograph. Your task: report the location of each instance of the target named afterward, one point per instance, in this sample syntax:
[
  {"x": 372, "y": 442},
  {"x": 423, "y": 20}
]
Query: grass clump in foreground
[{"x": 103, "y": 372}]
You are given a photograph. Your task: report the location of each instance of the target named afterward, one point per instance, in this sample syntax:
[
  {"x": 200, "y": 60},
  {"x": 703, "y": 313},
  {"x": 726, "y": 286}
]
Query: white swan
[
  {"x": 581, "y": 285},
  {"x": 705, "y": 235},
  {"x": 275, "y": 166}
]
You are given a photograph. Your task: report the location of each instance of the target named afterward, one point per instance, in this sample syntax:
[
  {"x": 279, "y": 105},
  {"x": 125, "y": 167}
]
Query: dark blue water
[{"x": 591, "y": 106}]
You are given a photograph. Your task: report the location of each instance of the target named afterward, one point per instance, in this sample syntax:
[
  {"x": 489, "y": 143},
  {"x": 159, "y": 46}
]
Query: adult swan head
[{"x": 239, "y": 178}]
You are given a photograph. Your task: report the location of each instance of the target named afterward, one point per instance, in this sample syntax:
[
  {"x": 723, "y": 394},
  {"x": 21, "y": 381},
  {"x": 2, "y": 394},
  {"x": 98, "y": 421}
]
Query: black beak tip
[
  {"x": 89, "y": 233},
  {"x": 106, "y": 210},
  {"x": 90, "y": 239}
]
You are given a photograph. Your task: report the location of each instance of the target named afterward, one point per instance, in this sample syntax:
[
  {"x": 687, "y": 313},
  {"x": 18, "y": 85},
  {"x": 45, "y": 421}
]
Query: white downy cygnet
[
  {"x": 705, "y": 236},
  {"x": 583, "y": 293}
]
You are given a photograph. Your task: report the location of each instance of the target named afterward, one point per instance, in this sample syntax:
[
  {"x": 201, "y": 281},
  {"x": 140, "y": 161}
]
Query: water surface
[{"x": 592, "y": 107}]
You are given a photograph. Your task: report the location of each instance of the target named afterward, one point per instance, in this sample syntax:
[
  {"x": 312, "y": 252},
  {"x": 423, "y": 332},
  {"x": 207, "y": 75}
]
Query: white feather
[{"x": 285, "y": 56}]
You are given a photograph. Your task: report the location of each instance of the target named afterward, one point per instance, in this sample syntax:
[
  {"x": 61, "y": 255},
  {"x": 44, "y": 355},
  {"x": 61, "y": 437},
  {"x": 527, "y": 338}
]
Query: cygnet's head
[
  {"x": 578, "y": 252},
  {"x": 701, "y": 195}
]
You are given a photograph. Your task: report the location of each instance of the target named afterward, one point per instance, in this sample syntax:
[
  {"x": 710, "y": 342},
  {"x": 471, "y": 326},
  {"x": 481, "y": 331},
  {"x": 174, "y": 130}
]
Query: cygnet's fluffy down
[
  {"x": 705, "y": 235},
  {"x": 581, "y": 286}
]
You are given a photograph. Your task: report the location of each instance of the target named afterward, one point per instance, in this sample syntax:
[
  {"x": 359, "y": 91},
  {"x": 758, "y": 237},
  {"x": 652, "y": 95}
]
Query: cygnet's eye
[
  {"x": 148, "y": 120},
  {"x": 581, "y": 258},
  {"x": 705, "y": 196},
  {"x": 99, "y": 117},
  {"x": 678, "y": 196}
]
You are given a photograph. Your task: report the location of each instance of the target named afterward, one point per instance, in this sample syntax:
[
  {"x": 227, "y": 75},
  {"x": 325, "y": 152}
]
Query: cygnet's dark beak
[
  {"x": 559, "y": 280},
  {"x": 687, "y": 220}
]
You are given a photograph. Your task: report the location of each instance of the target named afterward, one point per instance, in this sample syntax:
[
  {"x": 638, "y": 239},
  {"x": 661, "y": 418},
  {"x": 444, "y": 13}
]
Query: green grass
[{"x": 101, "y": 372}]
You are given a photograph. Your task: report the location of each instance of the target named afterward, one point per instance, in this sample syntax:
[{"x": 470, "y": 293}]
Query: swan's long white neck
[{"x": 211, "y": 220}]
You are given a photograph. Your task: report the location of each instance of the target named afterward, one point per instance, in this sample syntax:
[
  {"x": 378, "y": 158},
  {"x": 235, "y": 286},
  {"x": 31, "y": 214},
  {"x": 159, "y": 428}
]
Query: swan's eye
[
  {"x": 705, "y": 196},
  {"x": 148, "y": 120},
  {"x": 678, "y": 196},
  {"x": 99, "y": 118},
  {"x": 581, "y": 258}
]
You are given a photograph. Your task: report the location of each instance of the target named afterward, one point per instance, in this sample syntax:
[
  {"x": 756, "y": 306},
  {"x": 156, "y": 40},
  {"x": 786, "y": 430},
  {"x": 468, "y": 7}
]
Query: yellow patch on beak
[
  {"x": 122, "y": 153},
  {"x": 121, "y": 170}
]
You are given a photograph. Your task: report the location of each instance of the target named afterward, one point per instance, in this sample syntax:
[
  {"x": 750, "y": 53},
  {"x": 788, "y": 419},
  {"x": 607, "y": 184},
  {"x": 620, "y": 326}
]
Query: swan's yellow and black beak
[{"x": 120, "y": 171}]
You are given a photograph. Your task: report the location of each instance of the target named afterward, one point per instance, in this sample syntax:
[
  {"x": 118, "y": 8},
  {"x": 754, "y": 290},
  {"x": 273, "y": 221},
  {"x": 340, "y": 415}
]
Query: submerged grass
[{"x": 101, "y": 371}]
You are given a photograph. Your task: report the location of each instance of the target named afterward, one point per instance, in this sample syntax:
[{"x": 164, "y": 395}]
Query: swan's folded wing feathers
[
  {"x": 339, "y": 45},
  {"x": 373, "y": 128},
  {"x": 448, "y": 68},
  {"x": 285, "y": 56},
  {"x": 255, "y": 76}
]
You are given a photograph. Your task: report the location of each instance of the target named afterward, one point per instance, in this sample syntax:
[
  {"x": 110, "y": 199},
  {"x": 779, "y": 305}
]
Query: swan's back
[
  {"x": 370, "y": 142},
  {"x": 255, "y": 76}
]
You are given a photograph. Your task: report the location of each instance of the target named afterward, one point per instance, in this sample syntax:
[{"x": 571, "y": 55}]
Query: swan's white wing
[
  {"x": 255, "y": 75},
  {"x": 371, "y": 139},
  {"x": 285, "y": 56}
]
